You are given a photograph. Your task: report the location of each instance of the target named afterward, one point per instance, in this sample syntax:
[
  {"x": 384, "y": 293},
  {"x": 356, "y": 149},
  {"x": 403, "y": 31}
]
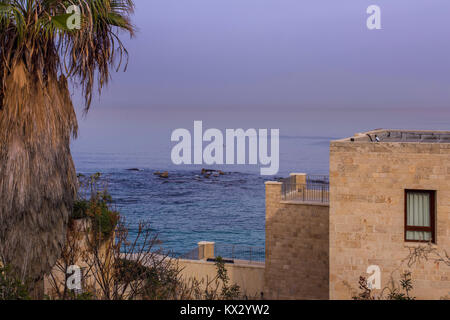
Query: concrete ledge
[
  {"x": 239, "y": 264},
  {"x": 273, "y": 182},
  {"x": 401, "y": 136},
  {"x": 305, "y": 203},
  {"x": 249, "y": 277}
]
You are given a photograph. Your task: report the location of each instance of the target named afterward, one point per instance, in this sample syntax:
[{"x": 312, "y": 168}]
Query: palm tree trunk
[{"x": 37, "y": 174}]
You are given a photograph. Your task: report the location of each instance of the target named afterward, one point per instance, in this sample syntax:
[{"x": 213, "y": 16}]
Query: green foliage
[
  {"x": 82, "y": 296},
  {"x": 103, "y": 219},
  {"x": 228, "y": 292},
  {"x": 95, "y": 203},
  {"x": 395, "y": 293},
  {"x": 37, "y": 32},
  {"x": 406, "y": 285},
  {"x": 365, "y": 292},
  {"x": 80, "y": 208},
  {"x": 129, "y": 270},
  {"x": 161, "y": 283},
  {"x": 11, "y": 287}
]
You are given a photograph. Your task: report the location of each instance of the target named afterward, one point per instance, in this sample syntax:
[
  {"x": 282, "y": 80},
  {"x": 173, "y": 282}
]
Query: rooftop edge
[{"x": 398, "y": 135}]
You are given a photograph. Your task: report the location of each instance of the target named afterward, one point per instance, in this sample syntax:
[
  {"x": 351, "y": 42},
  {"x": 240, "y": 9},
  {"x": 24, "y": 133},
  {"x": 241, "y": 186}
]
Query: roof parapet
[{"x": 395, "y": 135}]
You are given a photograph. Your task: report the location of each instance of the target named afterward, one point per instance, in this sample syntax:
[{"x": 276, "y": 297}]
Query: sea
[{"x": 229, "y": 209}]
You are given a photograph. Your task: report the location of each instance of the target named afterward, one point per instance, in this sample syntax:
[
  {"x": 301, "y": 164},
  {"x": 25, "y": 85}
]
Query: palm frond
[{"x": 36, "y": 32}]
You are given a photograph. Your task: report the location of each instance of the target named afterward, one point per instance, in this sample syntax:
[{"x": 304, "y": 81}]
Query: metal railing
[
  {"x": 316, "y": 189},
  {"x": 191, "y": 255},
  {"x": 317, "y": 179},
  {"x": 240, "y": 252},
  {"x": 231, "y": 252}
]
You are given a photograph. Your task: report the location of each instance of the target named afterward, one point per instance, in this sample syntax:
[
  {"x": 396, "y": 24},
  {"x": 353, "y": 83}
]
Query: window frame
[{"x": 432, "y": 228}]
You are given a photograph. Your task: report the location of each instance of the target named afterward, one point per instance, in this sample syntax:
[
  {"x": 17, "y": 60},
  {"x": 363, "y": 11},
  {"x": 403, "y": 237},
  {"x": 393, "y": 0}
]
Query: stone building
[
  {"x": 388, "y": 197},
  {"x": 297, "y": 239}
]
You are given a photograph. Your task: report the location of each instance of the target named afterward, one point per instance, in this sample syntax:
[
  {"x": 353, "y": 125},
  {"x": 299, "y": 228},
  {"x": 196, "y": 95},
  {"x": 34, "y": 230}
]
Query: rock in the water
[
  {"x": 134, "y": 169},
  {"x": 164, "y": 175},
  {"x": 211, "y": 171}
]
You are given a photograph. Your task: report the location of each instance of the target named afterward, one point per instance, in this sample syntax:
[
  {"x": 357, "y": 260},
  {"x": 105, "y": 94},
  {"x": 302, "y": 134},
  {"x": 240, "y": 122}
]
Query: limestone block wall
[
  {"x": 367, "y": 185},
  {"x": 297, "y": 242}
]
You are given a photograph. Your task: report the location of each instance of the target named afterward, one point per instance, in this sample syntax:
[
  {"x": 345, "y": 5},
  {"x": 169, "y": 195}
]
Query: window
[{"x": 420, "y": 216}]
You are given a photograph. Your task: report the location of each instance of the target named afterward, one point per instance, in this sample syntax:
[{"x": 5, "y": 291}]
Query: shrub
[
  {"x": 94, "y": 202},
  {"x": 104, "y": 220},
  {"x": 11, "y": 287},
  {"x": 228, "y": 292},
  {"x": 405, "y": 285},
  {"x": 394, "y": 293},
  {"x": 80, "y": 208}
]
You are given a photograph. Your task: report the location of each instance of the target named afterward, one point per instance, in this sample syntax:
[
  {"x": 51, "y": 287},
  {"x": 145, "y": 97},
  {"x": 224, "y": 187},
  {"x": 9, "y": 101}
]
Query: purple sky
[{"x": 234, "y": 56}]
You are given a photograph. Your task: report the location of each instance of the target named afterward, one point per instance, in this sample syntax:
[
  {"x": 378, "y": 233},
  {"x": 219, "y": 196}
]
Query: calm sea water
[{"x": 187, "y": 208}]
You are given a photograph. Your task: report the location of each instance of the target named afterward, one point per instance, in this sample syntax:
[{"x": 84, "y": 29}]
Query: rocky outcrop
[
  {"x": 164, "y": 174},
  {"x": 209, "y": 172}
]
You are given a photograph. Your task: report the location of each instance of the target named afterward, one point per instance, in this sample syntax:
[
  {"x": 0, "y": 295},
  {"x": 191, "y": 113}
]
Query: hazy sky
[
  {"x": 199, "y": 56},
  {"x": 215, "y": 53}
]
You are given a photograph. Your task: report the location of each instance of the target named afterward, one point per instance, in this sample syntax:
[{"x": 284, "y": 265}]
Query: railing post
[
  {"x": 299, "y": 178},
  {"x": 206, "y": 250},
  {"x": 299, "y": 186},
  {"x": 273, "y": 197}
]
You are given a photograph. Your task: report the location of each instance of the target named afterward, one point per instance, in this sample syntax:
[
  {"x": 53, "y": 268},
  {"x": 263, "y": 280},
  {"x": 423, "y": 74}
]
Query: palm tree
[{"x": 41, "y": 49}]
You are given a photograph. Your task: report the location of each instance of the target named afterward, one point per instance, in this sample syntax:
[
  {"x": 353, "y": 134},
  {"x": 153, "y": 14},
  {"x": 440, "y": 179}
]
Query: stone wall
[
  {"x": 296, "y": 248},
  {"x": 367, "y": 186},
  {"x": 248, "y": 276}
]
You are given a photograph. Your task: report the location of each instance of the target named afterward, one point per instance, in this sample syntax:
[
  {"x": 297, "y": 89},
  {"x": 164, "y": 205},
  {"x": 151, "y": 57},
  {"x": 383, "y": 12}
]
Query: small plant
[
  {"x": 395, "y": 293},
  {"x": 217, "y": 288},
  {"x": 228, "y": 292},
  {"x": 104, "y": 220},
  {"x": 366, "y": 292},
  {"x": 80, "y": 208},
  {"x": 11, "y": 287},
  {"x": 406, "y": 286},
  {"x": 95, "y": 203}
]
